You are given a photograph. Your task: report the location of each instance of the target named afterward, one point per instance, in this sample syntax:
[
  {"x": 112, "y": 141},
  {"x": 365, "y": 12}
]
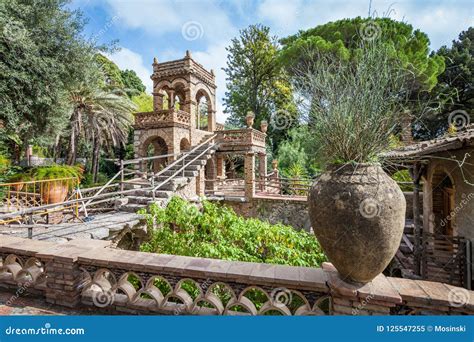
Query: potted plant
[
  {"x": 59, "y": 180},
  {"x": 354, "y": 104}
]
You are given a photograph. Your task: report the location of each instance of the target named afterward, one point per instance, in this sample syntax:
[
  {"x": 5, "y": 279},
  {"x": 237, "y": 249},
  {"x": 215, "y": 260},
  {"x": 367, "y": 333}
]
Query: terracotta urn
[
  {"x": 264, "y": 126},
  {"x": 274, "y": 164},
  {"x": 358, "y": 215},
  {"x": 54, "y": 192},
  {"x": 250, "y": 119}
]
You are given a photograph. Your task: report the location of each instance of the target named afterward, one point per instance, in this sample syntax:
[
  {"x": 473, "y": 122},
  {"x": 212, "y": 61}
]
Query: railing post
[
  {"x": 249, "y": 167},
  {"x": 183, "y": 166},
  {"x": 122, "y": 178},
  {"x": 153, "y": 185}
]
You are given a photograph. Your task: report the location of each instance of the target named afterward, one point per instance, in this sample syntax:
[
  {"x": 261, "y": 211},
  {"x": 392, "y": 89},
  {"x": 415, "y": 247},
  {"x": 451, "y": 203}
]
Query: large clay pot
[
  {"x": 358, "y": 215},
  {"x": 54, "y": 192}
]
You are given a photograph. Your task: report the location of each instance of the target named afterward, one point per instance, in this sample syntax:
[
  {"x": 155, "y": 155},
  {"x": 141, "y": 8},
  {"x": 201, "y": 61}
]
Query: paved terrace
[
  {"x": 101, "y": 226},
  {"x": 89, "y": 275}
]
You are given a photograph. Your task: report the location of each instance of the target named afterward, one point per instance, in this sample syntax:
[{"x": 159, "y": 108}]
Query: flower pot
[
  {"x": 358, "y": 215},
  {"x": 18, "y": 186},
  {"x": 54, "y": 192}
]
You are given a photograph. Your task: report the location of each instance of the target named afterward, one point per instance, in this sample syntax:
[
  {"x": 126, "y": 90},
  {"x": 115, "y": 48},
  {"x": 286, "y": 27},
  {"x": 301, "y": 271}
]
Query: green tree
[
  {"x": 257, "y": 83},
  {"x": 42, "y": 53},
  {"x": 133, "y": 84},
  {"x": 100, "y": 116},
  {"x": 112, "y": 74},
  {"x": 459, "y": 72},
  {"x": 144, "y": 102},
  {"x": 343, "y": 38}
]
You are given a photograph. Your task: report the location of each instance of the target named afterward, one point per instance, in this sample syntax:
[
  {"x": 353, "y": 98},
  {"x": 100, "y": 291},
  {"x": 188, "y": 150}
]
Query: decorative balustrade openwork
[
  {"x": 87, "y": 274},
  {"x": 162, "y": 118},
  {"x": 235, "y": 139}
]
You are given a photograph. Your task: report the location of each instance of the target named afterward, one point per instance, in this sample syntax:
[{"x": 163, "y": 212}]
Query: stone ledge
[{"x": 378, "y": 289}]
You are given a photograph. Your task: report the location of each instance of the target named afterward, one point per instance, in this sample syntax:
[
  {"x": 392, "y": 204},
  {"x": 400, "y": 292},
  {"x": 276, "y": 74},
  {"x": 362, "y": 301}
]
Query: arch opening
[{"x": 155, "y": 147}]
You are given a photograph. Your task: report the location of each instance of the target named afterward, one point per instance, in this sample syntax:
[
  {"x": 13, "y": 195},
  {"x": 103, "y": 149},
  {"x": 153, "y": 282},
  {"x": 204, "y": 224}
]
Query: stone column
[
  {"x": 220, "y": 166},
  {"x": 200, "y": 183},
  {"x": 171, "y": 99},
  {"x": 249, "y": 166},
  {"x": 158, "y": 101},
  {"x": 262, "y": 170},
  {"x": 211, "y": 120}
]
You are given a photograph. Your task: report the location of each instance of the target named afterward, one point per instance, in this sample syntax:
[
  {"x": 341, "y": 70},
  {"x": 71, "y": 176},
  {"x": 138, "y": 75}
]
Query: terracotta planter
[
  {"x": 18, "y": 186},
  {"x": 54, "y": 192},
  {"x": 358, "y": 215}
]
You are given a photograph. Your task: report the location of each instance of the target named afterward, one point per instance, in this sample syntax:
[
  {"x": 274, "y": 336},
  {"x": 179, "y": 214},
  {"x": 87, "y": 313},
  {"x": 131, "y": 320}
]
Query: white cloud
[
  {"x": 127, "y": 59},
  {"x": 215, "y": 57},
  {"x": 159, "y": 17},
  {"x": 442, "y": 21}
]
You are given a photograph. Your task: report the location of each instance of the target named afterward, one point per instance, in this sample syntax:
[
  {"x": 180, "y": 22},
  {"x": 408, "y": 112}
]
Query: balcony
[
  {"x": 162, "y": 118},
  {"x": 241, "y": 140}
]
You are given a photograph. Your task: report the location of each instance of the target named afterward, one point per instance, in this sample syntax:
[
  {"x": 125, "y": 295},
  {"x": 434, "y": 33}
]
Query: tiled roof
[{"x": 464, "y": 138}]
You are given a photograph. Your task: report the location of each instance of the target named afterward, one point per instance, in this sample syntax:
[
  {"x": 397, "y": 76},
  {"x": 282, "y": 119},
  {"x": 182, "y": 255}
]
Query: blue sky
[{"x": 166, "y": 29}]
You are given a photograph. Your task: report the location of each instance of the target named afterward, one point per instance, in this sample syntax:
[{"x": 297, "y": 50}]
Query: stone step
[
  {"x": 132, "y": 207},
  {"x": 138, "y": 199},
  {"x": 189, "y": 167},
  {"x": 148, "y": 194},
  {"x": 187, "y": 173}
]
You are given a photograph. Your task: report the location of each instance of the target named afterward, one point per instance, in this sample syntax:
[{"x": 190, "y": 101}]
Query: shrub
[{"x": 217, "y": 232}]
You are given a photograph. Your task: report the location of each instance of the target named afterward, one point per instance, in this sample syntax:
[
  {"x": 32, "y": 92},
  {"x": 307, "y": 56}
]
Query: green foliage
[
  {"x": 217, "y": 232},
  {"x": 256, "y": 82},
  {"x": 112, "y": 74},
  {"x": 55, "y": 172},
  {"x": 459, "y": 73},
  {"x": 455, "y": 88},
  {"x": 298, "y": 149},
  {"x": 401, "y": 177},
  {"x": 144, "y": 102},
  {"x": 353, "y": 107},
  {"x": 42, "y": 52},
  {"x": 133, "y": 84},
  {"x": 342, "y": 38}
]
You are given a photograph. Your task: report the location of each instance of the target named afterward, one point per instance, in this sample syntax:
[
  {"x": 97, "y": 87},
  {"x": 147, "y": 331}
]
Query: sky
[{"x": 165, "y": 29}]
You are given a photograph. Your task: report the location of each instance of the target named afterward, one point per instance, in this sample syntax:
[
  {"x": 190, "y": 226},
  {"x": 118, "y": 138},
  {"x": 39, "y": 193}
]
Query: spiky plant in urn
[{"x": 354, "y": 104}]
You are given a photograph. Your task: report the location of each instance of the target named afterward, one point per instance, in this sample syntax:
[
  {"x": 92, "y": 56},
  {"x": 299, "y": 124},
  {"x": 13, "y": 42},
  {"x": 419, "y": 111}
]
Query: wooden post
[
  {"x": 122, "y": 178},
  {"x": 416, "y": 173}
]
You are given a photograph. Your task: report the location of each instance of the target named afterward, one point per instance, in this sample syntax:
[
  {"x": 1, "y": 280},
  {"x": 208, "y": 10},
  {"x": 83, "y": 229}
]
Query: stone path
[{"x": 100, "y": 227}]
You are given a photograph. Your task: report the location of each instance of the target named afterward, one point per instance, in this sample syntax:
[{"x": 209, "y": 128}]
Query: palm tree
[{"x": 102, "y": 117}]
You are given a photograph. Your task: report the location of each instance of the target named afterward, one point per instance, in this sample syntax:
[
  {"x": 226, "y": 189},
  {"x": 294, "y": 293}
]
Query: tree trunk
[
  {"x": 95, "y": 158},
  {"x": 75, "y": 131}
]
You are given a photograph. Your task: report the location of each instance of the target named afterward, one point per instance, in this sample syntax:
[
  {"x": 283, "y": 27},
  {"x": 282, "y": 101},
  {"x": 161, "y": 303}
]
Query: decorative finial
[
  {"x": 212, "y": 72},
  {"x": 188, "y": 54},
  {"x": 155, "y": 60}
]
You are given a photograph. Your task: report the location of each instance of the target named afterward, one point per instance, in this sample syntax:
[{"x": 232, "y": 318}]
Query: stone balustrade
[
  {"x": 87, "y": 273},
  {"x": 162, "y": 118},
  {"x": 240, "y": 139}
]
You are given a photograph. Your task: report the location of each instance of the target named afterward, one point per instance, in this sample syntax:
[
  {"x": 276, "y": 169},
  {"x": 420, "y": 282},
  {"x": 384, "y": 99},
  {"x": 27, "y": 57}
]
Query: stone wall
[
  {"x": 288, "y": 211},
  {"x": 292, "y": 212},
  {"x": 89, "y": 274}
]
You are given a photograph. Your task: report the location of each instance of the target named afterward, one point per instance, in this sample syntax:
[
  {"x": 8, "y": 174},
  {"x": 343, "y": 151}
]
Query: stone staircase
[{"x": 173, "y": 180}]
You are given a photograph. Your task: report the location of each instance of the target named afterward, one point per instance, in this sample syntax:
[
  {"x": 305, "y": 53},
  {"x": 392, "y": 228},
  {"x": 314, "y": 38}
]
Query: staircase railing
[
  {"x": 182, "y": 161},
  {"x": 99, "y": 196}
]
